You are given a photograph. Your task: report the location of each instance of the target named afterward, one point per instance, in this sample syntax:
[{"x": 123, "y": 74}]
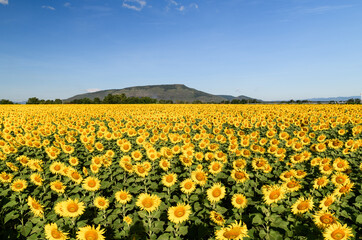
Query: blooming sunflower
[
  {"x": 302, "y": 205},
  {"x": 35, "y": 207},
  {"x": 164, "y": 164},
  {"x": 73, "y": 161},
  {"x": 123, "y": 196},
  {"x": 90, "y": 233},
  {"x": 340, "y": 165},
  {"x": 57, "y": 186},
  {"x": 56, "y": 167},
  {"x": 337, "y": 231},
  {"x": 187, "y": 186},
  {"x": 239, "y": 201},
  {"x": 324, "y": 219},
  {"x": 199, "y": 177},
  {"x": 236, "y": 231},
  {"x": 101, "y": 203},
  {"x": 217, "y": 218},
  {"x": 340, "y": 179},
  {"x": 215, "y": 167},
  {"x": 128, "y": 220},
  {"x": 52, "y": 232},
  {"x": 320, "y": 182},
  {"x": 273, "y": 194},
  {"x": 148, "y": 202},
  {"x": 216, "y": 193},
  {"x": 36, "y": 179},
  {"x": 75, "y": 176},
  {"x": 169, "y": 180},
  {"x": 6, "y": 177},
  {"x": 179, "y": 213},
  {"x": 343, "y": 189},
  {"x": 73, "y": 208},
  {"x": 140, "y": 170},
  {"x": 326, "y": 202},
  {"x": 91, "y": 184},
  {"x": 18, "y": 185},
  {"x": 292, "y": 186}
]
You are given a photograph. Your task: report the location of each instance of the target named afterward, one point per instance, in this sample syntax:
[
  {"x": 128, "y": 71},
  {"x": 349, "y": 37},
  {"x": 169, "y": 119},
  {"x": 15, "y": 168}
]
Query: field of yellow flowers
[{"x": 180, "y": 172}]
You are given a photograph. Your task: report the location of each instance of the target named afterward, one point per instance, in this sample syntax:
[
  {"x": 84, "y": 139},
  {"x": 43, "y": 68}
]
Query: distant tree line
[
  {"x": 35, "y": 100},
  {"x": 240, "y": 101},
  {"x": 117, "y": 99},
  {"x": 5, "y": 101}
]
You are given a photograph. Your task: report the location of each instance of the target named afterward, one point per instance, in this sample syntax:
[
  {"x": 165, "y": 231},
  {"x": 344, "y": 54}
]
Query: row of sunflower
[{"x": 180, "y": 172}]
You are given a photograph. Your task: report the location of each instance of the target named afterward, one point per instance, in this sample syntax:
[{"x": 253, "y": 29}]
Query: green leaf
[
  {"x": 11, "y": 215},
  {"x": 10, "y": 204},
  {"x": 197, "y": 207},
  {"x": 158, "y": 227},
  {"x": 194, "y": 198},
  {"x": 275, "y": 235},
  {"x": 169, "y": 228},
  {"x": 279, "y": 223},
  {"x": 183, "y": 230},
  {"x": 258, "y": 219},
  {"x": 165, "y": 236},
  {"x": 27, "y": 228},
  {"x": 262, "y": 234},
  {"x": 359, "y": 219}
]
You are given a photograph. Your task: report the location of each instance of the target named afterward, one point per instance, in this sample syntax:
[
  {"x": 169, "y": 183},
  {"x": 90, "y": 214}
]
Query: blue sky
[{"x": 266, "y": 49}]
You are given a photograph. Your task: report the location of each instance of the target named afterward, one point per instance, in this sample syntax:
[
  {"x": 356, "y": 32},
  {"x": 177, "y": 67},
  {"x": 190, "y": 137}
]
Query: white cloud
[
  {"x": 194, "y": 5},
  {"x": 4, "y": 2},
  {"x": 67, "y": 4},
  {"x": 181, "y": 8},
  {"x": 90, "y": 90},
  {"x": 324, "y": 9},
  {"x": 48, "y": 7},
  {"x": 136, "y": 5}
]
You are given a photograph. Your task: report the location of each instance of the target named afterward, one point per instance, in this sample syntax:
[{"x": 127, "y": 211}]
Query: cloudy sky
[{"x": 266, "y": 49}]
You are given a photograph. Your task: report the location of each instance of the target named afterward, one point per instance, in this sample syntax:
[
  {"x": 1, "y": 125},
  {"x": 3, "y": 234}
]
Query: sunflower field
[{"x": 95, "y": 172}]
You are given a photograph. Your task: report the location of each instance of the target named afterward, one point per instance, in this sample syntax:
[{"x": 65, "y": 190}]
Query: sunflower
[
  {"x": 199, "y": 177},
  {"x": 287, "y": 175},
  {"x": 273, "y": 194},
  {"x": 91, "y": 184},
  {"x": 326, "y": 169},
  {"x": 73, "y": 208},
  {"x": 90, "y": 233},
  {"x": 75, "y": 176},
  {"x": 326, "y": 202},
  {"x": 128, "y": 220},
  {"x": 148, "y": 202},
  {"x": 59, "y": 208},
  {"x": 239, "y": 176},
  {"x": 57, "y": 186},
  {"x": 73, "y": 161},
  {"x": 236, "y": 231},
  {"x": 239, "y": 164},
  {"x": 340, "y": 179},
  {"x": 52, "y": 232},
  {"x": 179, "y": 213},
  {"x": 35, "y": 207},
  {"x": 217, "y": 218},
  {"x": 340, "y": 165},
  {"x": 164, "y": 164},
  {"x": 324, "y": 219},
  {"x": 6, "y": 177},
  {"x": 169, "y": 180},
  {"x": 187, "y": 186},
  {"x": 101, "y": 202},
  {"x": 127, "y": 166},
  {"x": 136, "y": 155},
  {"x": 56, "y": 167},
  {"x": 320, "y": 182},
  {"x": 343, "y": 189},
  {"x": 216, "y": 193},
  {"x": 302, "y": 205},
  {"x": 123, "y": 197},
  {"x": 141, "y": 170},
  {"x": 36, "y": 179},
  {"x": 292, "y": 186},
  {"x": 320, "y": 147},
  {"x": 18, "y": 185},
  {"x": 215, "y": 167},
  {"x": 239, "y": 201},
  {"x": 337, "y": 231}
]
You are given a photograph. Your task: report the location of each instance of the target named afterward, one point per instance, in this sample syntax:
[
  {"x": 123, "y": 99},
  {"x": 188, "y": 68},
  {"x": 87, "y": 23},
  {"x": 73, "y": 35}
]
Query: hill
[{"x": 174, "y": 92}]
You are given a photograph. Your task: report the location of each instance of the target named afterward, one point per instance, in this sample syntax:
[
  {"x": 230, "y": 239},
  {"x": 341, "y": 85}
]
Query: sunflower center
[
  {"x": 232, "y": 233},
  {"x": 328, "y": 202},
  {"x": 291, "y": 184},
  {"x": 239, "y": 175},
  {"x": 320, "y": 181},
  {"x": 339, "y": 179},
  {"x": 75, "y": 175},
  {"x": 288, "y": 175},
  {"x": 101, "y": 203},
  {"x": 179, "y": 212},
  {"x": 340, "y": 165},
  {"x": 259, "y": 164},
  {"x": 91, "y": 183},
  {"x": 35, "y": 205},
  {"x": 338, "y": 234},
  {"x": 274, "y": 194},
  {"x": 215, "y": 167},
  {"x": 55, "y": 234},
  {"x": 57, "y": 168},
  {"x": 72, "y": 207},
  {"x": 6, "y": 177},
  {"x": 239, "y": 200},
  {"x": 169, "y": 179},
  {"x": 188, "y": 185},
  {"x": 58, "y": 185},
  {"x": 91, "y": 235},
  {"x": 327, "y": 219},
  {"x": 123, "y": 196},
  {"x": 303, "y": 205},
  {"x": 200, "y": 176},
  {"x": 216, "y": 192},
  {"x": 18, "y": 185},
  {"x": 147, "y": 202},
  {"x": 141, "y": 169}
]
